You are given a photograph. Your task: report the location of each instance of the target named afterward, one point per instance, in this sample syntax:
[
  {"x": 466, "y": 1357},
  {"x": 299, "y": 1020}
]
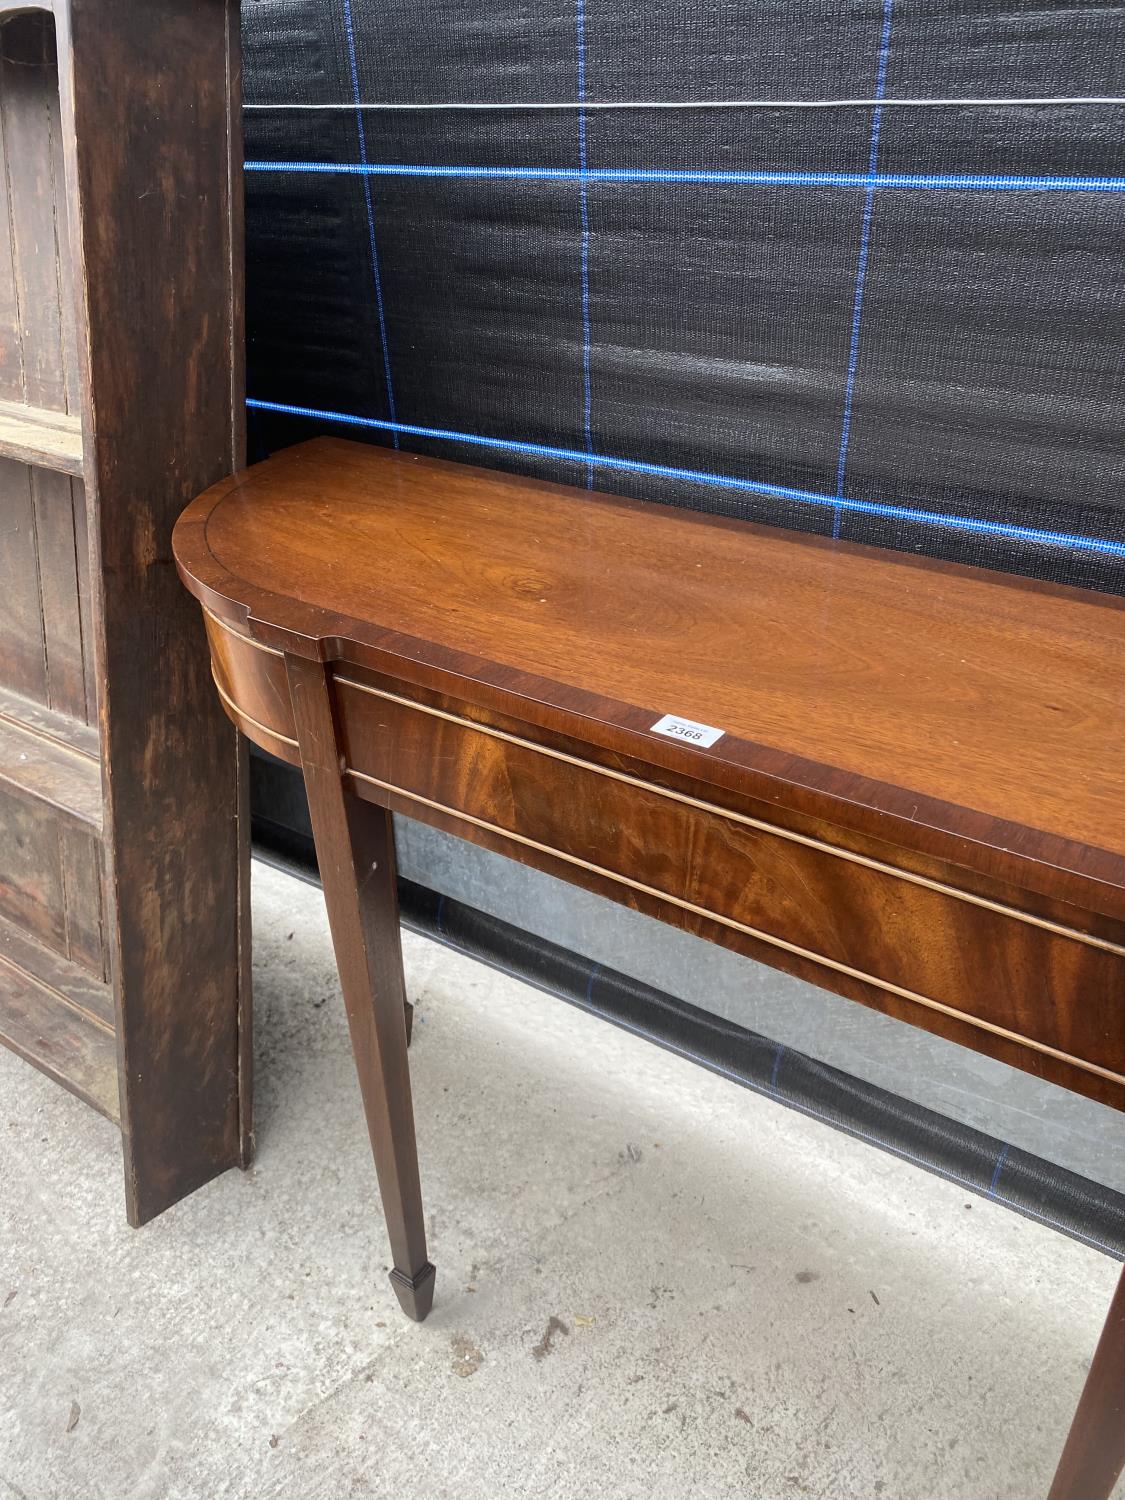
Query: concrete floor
[{"x": 651, "y": 1283}]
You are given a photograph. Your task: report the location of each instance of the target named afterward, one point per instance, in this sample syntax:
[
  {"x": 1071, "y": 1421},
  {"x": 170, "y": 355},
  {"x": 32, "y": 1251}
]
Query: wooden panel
[
  {"x": 34, "y": 765},
  {"x": 59, "y": 1019},
  {"x": 31, "y": 884},
  {"x": 35, "y": 436},
  {"x": 23, "y": 663},
  {"x": 156, "y": 155},
  {"x": 86, "y": 603},
  {"x": 88, "y": 206},
  {"x": 56, "y": 500},
  {"x": 29, "y": 102},
  {"x": 11, "y": 345},
  {"x": 44, "y": 588},
  {"x": 81, "y": 862},
  {"x": 68, "y": 298},
  {"x": 59, "y": 729}
]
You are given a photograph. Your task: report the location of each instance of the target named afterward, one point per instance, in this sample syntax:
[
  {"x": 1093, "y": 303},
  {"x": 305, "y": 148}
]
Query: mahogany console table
[{"x": 900, "y": 779}]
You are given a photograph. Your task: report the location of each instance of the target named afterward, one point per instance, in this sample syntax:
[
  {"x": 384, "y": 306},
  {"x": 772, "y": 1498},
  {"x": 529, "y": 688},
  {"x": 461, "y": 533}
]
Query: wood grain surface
[
  {"x": 153, "y": 152},
  {"x": 123, "y": 789}
]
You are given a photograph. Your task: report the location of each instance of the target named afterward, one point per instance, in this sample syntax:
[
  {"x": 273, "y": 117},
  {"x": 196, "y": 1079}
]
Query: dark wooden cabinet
[{"x": 123, "y": 930}]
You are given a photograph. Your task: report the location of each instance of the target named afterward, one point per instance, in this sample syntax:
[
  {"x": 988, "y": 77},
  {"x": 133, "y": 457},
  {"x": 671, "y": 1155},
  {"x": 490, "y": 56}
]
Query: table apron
[{"x": 997, "y": 977}]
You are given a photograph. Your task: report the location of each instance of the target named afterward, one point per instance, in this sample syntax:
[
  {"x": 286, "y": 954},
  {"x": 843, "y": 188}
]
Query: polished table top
[{"x": 986, "y": 708}]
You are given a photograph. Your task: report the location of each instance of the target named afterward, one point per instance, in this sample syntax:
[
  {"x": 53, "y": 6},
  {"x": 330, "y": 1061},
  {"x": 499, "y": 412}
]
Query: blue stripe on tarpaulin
[
  {"x": 701, "y": 476},
  {"x": 354, "y": 66},
  {"x": 997, "y": 1171},
  {"x": 946, "y": 181},
  {"x": 861, "y": 263},
  {"x": 584, "y": 209}
]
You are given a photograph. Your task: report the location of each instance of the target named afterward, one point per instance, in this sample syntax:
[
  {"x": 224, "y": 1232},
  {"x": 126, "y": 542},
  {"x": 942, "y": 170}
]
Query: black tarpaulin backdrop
[{"x": 899, "y": 322}]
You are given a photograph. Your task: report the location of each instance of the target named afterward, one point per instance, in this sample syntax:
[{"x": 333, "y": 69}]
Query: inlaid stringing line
[
  {"x": 241, "y": 713},
  {"x": 753, "y": 932},
  {"x": 744, "y": 818}
]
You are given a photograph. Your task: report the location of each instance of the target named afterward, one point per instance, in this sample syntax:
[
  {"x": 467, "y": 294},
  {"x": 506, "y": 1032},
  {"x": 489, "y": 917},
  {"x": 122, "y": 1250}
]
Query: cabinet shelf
[
  {"x": 50, "y": 758},
  {"x": 59, "y": 1019},
  {"x": 50, "y": 439}
]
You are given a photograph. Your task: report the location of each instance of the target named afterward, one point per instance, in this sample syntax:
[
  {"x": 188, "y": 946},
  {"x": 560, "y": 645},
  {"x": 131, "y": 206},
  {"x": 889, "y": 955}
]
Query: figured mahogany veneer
[{"x": 917, "y": 799}]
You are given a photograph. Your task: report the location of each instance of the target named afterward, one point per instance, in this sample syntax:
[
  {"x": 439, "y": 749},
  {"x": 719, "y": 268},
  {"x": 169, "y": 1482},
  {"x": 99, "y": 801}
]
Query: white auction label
[{"x": 687, "y": 729}]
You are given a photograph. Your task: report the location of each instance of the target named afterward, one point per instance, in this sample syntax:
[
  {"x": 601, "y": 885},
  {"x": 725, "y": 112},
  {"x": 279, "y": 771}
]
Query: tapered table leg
[
  {"x": 355, "y": 852},
  {"x": 1094, "y": 1455}
]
